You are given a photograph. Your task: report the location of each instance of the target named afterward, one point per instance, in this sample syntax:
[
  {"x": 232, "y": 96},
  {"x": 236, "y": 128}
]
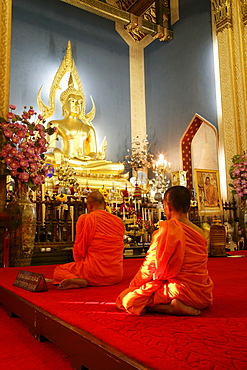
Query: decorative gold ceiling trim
[
  {"x": 222, "y": 14},
  {"x": 118, "y": 15}
]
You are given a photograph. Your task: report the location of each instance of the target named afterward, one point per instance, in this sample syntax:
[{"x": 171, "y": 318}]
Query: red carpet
[
  {"x": 19, "y": 350},
  {"x": 214, "y": 340}
]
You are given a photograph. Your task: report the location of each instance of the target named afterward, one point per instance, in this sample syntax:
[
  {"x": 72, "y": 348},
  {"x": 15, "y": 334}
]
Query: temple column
[
  {"x": 5, "y": 45},
  {"x": 230, "y": 39},
  {"x": 137, "y": 81}
]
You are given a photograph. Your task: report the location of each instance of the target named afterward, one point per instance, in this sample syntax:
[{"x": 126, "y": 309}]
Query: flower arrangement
[
  {"x": 238, "y": 172},
  {"x": 22, "y": 146}
]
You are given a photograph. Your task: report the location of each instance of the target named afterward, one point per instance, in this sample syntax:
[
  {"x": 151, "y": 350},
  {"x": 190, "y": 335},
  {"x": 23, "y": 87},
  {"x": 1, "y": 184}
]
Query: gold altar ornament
[
  {"x": 159, "y": 184},
  {"x": 140, "y": 158},
  {"x": 161, "y": 165}
]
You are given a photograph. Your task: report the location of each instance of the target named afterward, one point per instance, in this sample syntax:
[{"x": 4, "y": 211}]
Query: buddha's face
[{"x": 73, "y": 104}]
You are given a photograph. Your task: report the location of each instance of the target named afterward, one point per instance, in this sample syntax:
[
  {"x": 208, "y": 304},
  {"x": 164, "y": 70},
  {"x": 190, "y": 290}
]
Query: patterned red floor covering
[
  {"x": 216, "y": 339},
  {"x": 20, "y": 350}
]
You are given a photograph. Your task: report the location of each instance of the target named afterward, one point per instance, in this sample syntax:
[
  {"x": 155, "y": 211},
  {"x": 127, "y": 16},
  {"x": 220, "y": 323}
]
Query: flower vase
[{"x": 23, "y": 230}]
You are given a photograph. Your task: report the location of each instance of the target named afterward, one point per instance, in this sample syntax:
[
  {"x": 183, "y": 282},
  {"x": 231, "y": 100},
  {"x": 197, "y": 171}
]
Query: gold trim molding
[
  {"x": 222, "y": 13},
  {"x": 5, "y": 46}
]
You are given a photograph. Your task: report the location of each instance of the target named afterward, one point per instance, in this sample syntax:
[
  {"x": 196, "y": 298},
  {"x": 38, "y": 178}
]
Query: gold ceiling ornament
[
  {"x": 156, "y": 12},
  {"x": 74, "y": 86},
  {"x": 244, "y": 10},
  {"x": 116, "y": 14},
  {"x": 222, "y": 11}
]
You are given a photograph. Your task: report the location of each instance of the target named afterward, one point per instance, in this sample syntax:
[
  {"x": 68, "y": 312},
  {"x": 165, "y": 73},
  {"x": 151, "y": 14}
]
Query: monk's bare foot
[
  {"x": 72, "y": 284},
  {"x": 175, "y": 308},
  {"x": 178, "y": 308}
]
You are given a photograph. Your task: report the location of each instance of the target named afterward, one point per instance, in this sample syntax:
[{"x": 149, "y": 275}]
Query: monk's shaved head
[
  {"x": 96, "y": 197},
  {"x": 179, "y": 198}
]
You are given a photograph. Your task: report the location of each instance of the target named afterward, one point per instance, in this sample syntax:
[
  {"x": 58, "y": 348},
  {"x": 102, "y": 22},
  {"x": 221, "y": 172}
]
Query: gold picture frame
[{"x": 208, "y": 190}]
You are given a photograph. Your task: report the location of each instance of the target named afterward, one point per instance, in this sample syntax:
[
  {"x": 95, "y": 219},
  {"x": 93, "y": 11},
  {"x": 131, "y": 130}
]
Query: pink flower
[
  {"x": 14, "y": 173},
  {"x": 40, "y": 117},
  {"x": 10, "y": 115},
  {"x": 25, "y": 116},
  {"x": 13, "y": 107},
  {"x": 236, "y": 172},
  {"x": 34, "y": 166},
  {"x": 30, "y": 151},
  {"x": 14, "y": 165},
  {"x": 15, "y": 139},
  {"x": 13, "y": 152},
  {"x": 8, "y": 133},
  {"x": 31, "y": 112},
  {"x": 22, "y": 134},
  {"x": 24, "y": 163},
  {"x": 236, "y": 182},
  {"x": 23, "y": 176},
  {"x": 39, "y": 179},
  {"x": 42, "y": 142},
  {"x": 8, "y": 160},
  {"x": 4, "y": 125},
  {"x": 39, "y": 126}
]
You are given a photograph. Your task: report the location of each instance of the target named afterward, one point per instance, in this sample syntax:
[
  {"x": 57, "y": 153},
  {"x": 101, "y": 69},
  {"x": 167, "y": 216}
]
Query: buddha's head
[
  {"x": 73, "y": 105},
  {"x": 72, "y": 101}
]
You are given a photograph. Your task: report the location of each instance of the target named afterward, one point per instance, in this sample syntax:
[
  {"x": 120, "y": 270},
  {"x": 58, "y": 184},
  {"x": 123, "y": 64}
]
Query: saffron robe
[
  {"x": 98, "y": 251},
  {"x": 175, "y": 267}
]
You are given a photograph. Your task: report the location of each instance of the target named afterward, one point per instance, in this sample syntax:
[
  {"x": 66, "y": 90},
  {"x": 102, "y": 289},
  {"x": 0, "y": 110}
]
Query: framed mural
[{"x": 208, "y": 190}]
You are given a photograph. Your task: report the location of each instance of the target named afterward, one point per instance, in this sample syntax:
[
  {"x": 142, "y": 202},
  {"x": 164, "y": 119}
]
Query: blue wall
[
  {"x": 180, "y": 79},
  {"x": 179, "y": 74},
  {"x": 41, "y": 30}
]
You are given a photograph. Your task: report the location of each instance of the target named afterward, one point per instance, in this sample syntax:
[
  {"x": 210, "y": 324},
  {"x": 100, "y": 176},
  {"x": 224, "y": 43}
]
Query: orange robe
[
  {"x": 175, "y": 267},
  {"x": 98, "y": 251}
]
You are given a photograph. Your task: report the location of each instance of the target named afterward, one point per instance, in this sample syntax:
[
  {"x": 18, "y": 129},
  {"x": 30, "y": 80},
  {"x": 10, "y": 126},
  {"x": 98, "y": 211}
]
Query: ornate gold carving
[
  {"x": 232, "y": 68},
  {"x": 67, "y": 65},
  {"x": 244, "y": 10},
  {"x": 5, "y": 41},
  {"x": 121, "y": 16},
  {"x": 222, "y": 14}
]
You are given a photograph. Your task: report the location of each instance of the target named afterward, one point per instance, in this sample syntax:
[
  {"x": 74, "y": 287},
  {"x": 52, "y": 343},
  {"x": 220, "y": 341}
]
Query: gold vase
[{"x": 23, "y": 227}]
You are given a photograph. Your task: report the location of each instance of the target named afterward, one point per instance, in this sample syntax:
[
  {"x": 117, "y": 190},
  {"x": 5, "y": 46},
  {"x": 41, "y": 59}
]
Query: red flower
[{"x": 10, "y": 115}]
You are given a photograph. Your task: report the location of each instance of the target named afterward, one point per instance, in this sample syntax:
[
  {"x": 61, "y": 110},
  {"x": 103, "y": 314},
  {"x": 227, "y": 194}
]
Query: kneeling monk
[
  {"x": 98, "y": 249},
  {"x": 173, "y": 278}
]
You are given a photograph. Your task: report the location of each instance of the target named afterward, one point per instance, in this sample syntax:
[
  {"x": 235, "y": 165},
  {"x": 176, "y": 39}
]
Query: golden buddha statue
[{"x": 77, "y": 144}]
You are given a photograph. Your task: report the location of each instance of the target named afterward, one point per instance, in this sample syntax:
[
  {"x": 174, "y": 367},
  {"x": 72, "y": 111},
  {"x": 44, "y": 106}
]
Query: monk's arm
[{"x": 79, "y": 230}]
